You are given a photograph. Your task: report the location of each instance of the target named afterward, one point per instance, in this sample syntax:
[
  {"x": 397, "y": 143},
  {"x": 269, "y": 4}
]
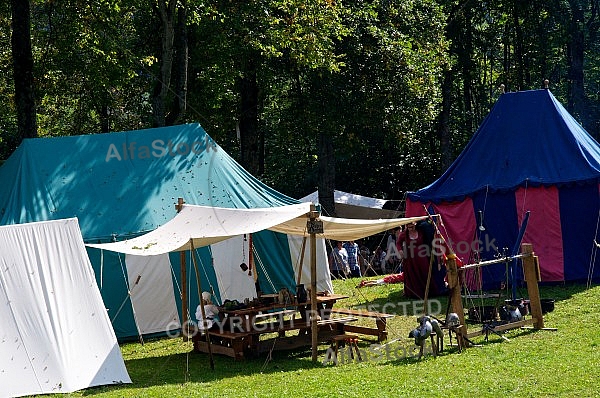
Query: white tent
[
  {"x": 350, "y": 205},
  {"x": 55, "y": 335}
]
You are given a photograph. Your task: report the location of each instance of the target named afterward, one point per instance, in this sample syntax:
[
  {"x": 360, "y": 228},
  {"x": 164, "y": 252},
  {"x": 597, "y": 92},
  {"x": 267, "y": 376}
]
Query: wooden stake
[
  {"x": 210, "y": 355},
  {"x": 531, "y": 278},
  {"x": 428, "y": 282},
  {"x": 182, "y": 271},
  {"x": 456, "y": 299}
]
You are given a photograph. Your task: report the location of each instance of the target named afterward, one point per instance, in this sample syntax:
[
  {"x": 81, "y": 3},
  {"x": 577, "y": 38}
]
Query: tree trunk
[
  {"x": 326, "y": 167},
  {"x": 23, "y": 69},
  {"x": 444, "y": 121},
  {"x": 465, "y": 62},
  {"x": 166, "y": 13},
  {"x": 518, "y": 46},
  {"x": 249, "y": 135},
  {"x": 179, "y": 107},
  {"x": 575, "y": 52},
  {"x": 104, "y": 117}
]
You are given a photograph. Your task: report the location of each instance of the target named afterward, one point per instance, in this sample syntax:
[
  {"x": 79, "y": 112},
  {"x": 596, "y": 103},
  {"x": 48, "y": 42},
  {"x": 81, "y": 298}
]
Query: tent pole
[
  {"x": 301, "y": 259},
  {"x": 252, "y": 266},
  {"x": 182, "y": 270},
  {"x": 199, "y": 283},
  {"x": 428, "y": 283},
  {"x": 313, "y": 285}
]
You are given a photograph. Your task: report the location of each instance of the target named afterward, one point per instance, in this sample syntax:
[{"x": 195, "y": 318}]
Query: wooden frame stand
[{"x": 531, "y": 270}]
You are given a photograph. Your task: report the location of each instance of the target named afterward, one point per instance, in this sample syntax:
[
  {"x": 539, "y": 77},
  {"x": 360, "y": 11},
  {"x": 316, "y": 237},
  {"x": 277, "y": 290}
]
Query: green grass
[{"x": 561, "y": 363}]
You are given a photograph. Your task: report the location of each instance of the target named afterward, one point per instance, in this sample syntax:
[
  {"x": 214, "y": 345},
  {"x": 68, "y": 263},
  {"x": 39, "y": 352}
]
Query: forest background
[{"x": 369, "y": 97}]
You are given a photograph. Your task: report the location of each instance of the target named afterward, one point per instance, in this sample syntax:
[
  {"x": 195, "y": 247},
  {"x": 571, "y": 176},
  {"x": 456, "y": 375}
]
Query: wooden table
[{"x": 239, "y": 333}]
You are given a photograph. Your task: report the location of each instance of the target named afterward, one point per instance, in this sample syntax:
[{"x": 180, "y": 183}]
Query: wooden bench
[
  {"x": 380, "y": 321},
  {"x": 223, "y": 342},
  {"x": 238, "y": 344},
  {"x": 275, "y": 314}
]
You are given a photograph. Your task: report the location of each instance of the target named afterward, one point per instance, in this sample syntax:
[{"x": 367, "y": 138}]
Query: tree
[
  {"x": 255, "y": 39},
  {"x": 23, "y": 69},
  {"x": 582, "y": 24},
  {"x": 166, "y": 13},
  {"x": 179, "y": 106}
]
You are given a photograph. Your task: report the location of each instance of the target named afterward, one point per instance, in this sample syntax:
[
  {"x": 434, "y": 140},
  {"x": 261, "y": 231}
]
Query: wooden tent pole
[
  {"x": 182, "y": 270},
  {"x": 428, "y": 282},
  {"x": 252, "y": 265},
  {"x": 202, "y": 311},
  {"x": 313, "y": 284},
  {"x": 456, "y": 299},
  {"x": 301, "y": 260}
]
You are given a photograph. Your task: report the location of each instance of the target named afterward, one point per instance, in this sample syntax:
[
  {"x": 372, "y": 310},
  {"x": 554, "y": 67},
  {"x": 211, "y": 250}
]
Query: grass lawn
[{"x": 532, "y": 364}]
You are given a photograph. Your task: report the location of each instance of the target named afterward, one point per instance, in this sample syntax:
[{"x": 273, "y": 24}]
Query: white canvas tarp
[
  {"x": 348, "y": 199},
  {"x": 205, "y": 225},
  {"x": 303, "y": 267},
  {"x": 234, "y": 283},
  {"x": 55, "y": 334},
  {"x": 344, "y": 228}
]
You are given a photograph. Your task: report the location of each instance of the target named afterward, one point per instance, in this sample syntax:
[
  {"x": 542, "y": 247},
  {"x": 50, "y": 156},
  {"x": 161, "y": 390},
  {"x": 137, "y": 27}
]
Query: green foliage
[
  {"x": 85, "y": 67},
  {"x": 8, "y": 116},
  {"x": 358, "y": 105},
  {"x": 368, "y": 74}
]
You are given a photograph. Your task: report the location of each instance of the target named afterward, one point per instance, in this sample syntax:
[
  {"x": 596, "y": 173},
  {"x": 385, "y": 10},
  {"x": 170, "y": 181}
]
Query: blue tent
[
  {"x": 121, "y": 185},
  {"x": 529, "y": 155}
]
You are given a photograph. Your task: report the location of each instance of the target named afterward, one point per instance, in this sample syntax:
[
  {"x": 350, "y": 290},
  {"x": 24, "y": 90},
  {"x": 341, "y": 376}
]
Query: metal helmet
[
  {"x": 452, "y": 319},
  {"x": 515, "y": 315}
]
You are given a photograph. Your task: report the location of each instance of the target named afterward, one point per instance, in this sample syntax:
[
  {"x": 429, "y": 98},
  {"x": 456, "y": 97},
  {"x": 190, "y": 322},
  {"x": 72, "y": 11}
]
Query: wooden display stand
[
  {"x": 531, "y": 270},
  {"x": 380, "y": 329}
]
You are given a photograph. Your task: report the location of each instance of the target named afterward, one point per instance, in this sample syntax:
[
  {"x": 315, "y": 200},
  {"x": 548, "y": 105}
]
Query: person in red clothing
[
  {"x": 415, "y": 244},
  {"x": 392, "y": 278}
]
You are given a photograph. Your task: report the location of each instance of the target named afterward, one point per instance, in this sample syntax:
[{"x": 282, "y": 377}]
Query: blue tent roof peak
[{"x": 528, "y": 138}]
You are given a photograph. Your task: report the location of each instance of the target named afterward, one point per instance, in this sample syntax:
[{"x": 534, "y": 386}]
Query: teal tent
[{"x": 121, "y": 185}]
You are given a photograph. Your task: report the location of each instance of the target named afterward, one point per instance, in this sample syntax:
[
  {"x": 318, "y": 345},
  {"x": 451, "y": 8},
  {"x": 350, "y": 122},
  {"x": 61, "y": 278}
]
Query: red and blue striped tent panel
[{"x": 529, "y": 154}]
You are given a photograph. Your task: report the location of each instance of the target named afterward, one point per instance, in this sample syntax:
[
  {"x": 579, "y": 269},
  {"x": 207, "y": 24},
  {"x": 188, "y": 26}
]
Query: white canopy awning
[
  {"x": 344, "y": 228},
  {"x": 205, "y": 225}
]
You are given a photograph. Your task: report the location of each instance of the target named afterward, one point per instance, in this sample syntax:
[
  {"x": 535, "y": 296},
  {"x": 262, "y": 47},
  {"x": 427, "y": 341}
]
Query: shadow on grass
[
  {"x": 166, "y": 367},
  {"x": 192, "y": 367}
]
